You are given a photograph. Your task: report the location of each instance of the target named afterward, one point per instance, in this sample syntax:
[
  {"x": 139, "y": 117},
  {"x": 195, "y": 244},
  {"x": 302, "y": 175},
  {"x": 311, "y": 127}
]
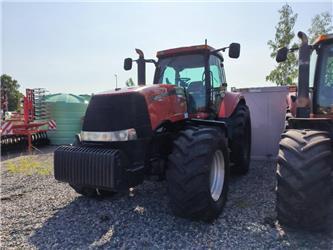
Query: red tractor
[
  {"x": 185, "y": 127},
  {"x": 305, "y": 160}
]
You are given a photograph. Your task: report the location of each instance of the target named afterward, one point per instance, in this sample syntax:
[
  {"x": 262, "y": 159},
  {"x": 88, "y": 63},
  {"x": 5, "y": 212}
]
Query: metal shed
[{"x": 268, "y": 109}]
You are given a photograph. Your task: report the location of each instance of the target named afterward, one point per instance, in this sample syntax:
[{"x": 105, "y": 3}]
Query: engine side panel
[
  {"x": 229, "y": 104},
  {"x": 165, "y": 103}
]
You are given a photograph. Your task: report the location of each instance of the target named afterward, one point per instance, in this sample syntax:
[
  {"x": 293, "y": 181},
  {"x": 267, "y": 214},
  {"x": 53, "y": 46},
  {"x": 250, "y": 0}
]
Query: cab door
[{"x": 217, "y": 82}]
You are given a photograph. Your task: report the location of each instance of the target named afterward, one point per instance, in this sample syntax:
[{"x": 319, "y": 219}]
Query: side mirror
[
  {"x": 282, "y": 54},
  {"x": 128, "y": 63},
  {"x": 234, "y": 50}
]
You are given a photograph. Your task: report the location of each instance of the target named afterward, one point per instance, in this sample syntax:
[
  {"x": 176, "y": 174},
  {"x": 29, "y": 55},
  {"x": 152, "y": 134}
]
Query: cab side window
[
  {"x": 216, "y": 72},
  {"x": 169, "y": 76},
  {"x": 313, "y": 62}
]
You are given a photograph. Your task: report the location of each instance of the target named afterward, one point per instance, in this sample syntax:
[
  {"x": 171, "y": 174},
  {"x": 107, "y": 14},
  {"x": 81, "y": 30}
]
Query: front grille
[{"x": 117, "y": 112}]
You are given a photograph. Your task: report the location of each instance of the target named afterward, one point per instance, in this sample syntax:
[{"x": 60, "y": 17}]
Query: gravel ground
[{"x": 39, "y": 212}]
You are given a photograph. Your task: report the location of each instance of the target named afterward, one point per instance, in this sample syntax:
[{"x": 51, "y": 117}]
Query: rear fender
[
  {"x": 229, "y": 104},
  {"x": 322, "y": 124},
  {"x": 214, "y": 123}
]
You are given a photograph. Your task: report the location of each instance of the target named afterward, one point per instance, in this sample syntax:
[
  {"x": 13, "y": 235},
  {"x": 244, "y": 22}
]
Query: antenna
[{"x": 116, "y": 76}]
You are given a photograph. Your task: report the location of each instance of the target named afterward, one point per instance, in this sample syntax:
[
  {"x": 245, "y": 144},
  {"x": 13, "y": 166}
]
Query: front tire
[
  {"x": 198, "y": 174},
  {"x": 303, "y": 179}
]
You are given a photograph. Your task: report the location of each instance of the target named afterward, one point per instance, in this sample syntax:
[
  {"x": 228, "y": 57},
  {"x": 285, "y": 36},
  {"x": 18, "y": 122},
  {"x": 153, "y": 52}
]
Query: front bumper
[{"x": 90, "y": 166}]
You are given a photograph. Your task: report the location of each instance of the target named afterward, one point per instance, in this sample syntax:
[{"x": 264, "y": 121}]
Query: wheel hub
[{"x": 217, "y": 172}]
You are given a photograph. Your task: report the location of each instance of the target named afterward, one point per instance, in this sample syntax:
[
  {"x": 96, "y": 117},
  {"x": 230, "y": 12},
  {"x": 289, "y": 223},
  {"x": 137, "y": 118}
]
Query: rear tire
[
  {"x": 194, "y": 191},
  {"x": 303, "y": 179},
  {"x": 241, "y": 140}
]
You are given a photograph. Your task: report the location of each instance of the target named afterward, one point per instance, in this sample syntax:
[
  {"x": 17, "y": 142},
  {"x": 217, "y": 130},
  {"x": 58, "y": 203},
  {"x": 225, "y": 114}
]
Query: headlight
[{"x": 120, "y": 135}]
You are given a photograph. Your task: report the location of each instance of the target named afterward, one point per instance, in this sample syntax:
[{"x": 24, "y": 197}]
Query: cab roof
[
  {"x": 184, "y": 50},
  {"x": 323, "y": 38}
]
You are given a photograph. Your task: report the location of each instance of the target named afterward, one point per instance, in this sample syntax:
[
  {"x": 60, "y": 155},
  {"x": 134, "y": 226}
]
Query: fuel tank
[{"x": 143, "y": 108}]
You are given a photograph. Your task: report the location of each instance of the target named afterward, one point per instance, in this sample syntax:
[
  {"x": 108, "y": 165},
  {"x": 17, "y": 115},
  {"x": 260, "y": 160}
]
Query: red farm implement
[{"x": 27, "y": 128}]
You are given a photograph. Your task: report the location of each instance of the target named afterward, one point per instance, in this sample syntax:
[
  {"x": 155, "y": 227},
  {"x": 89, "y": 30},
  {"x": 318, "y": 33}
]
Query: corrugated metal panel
[{"x": 268, "y": 109}]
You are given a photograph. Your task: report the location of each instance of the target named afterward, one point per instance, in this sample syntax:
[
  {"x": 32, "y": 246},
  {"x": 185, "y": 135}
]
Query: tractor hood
[
  {"x": 142, "y": 108},
  {"x": 126, "y": 90}
]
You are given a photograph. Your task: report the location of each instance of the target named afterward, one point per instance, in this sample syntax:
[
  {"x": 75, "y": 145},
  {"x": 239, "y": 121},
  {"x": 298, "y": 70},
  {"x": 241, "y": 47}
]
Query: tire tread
[{"x": 303, "y": 179}]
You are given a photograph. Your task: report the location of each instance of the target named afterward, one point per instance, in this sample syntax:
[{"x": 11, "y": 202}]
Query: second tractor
[{"x": 305, "y": 160}]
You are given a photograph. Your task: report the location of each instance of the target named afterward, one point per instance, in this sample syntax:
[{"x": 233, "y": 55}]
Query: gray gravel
[{"x": 39, "y": 212}]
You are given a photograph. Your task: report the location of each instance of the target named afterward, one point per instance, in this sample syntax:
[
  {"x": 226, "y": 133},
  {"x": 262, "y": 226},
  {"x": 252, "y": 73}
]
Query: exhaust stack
[
  {"x": 141, "y": 61},
  {"x": 303, "y": 101},
  {"x": 141, "y": 67}
]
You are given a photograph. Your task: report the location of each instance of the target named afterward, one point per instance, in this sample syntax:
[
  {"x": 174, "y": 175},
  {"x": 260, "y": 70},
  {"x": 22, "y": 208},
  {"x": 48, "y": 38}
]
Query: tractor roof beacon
[
  {"x": 182, "y": 127},
  {"x": 305, "y": 158}
]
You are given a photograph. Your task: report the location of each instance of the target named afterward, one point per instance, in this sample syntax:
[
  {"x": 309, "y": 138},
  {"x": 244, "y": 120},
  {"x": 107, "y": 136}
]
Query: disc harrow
[{"x": 27, "y": 129}]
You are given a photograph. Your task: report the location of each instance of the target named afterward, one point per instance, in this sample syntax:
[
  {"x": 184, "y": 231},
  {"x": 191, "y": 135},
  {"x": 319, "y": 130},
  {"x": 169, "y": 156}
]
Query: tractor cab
[
  {"x": 198, "y": 70},
  {"x": 323, "y": 76},
  {"x": 318, "y": 74}
]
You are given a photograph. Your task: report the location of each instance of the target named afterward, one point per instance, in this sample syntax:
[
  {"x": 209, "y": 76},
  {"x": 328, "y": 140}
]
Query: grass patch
[{"x": 29, "y": 166}]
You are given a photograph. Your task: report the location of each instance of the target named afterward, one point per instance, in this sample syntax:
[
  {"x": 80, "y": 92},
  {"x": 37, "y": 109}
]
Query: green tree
[
  {"x": 321, "y": 24},
  {"x": 10, "y": 86},
  {"x": 286, "y": 72},
  {"x": 130, "y": 82}
]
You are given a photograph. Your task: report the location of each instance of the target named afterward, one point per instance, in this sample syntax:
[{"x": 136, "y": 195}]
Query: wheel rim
[{"x": 217, "y": 172}]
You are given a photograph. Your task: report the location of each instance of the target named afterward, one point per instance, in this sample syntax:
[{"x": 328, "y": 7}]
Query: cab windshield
[
  {"x": 325, "y": 80},
  {"x": 182, "y": 70},
  {"x": 188, "y": 72}
]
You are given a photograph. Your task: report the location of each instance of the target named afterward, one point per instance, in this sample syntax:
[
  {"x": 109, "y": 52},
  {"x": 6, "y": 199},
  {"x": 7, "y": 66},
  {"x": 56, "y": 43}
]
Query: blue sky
[{"x": 77, "y": 47}]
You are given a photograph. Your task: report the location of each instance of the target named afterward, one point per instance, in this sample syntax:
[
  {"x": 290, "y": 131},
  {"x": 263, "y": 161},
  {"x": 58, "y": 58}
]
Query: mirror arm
[
  {"x": 148, "y": 61},
  {"x": 151, "y": 61},
  {"x": 221, "y": 49}
]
